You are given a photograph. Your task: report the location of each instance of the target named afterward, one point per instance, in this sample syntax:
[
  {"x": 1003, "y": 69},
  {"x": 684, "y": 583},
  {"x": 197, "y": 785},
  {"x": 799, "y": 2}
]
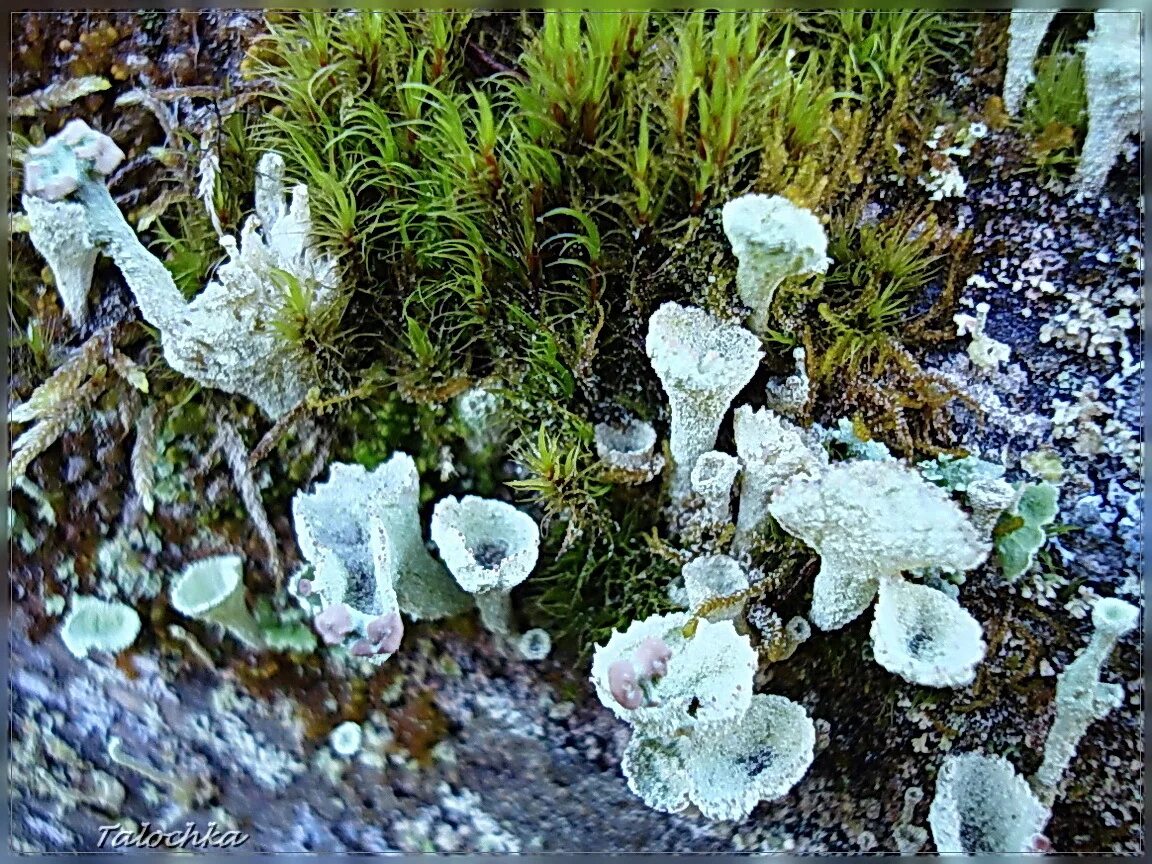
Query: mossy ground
[{"x": 510, "y": 197}]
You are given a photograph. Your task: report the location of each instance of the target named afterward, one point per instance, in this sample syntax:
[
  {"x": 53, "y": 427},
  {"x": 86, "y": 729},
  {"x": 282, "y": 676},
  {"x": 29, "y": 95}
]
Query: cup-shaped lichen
[
  {"x": 925, "y": 636},
  {"x": 425, "y": 590},
  {"x": 77, "y": 153},
  {"x": 703, "y": 364},
  {"x": 1112, "y": 80},
  {"x": 772, "y": 239},
  {"x": 871, "y": 519},
  {"x": 1026, "y": 30},
  {"x": 983, "y": 807},
  {"x": 346, "y": 739},
  {"x": 699, "y": 680},
  {"x": 99, "y": 625},
  {"x": 490, "y": 547},
  {"x": 724, "y": 771},
  {"x": 334, "y": 525},
  {"x": 353, "y": 600},
  {"x": 628, "y": 451},
  {"x": 758, "y": 759},
  {"x": 58, "y": 228},
  {"x": 212, "y": 590},
  {"x": 535, "y": 644},
  {"x": 773, "y": 452}
]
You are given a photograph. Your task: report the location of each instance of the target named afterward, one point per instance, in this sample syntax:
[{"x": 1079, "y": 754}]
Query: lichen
[{"x": 702, "y": 363}]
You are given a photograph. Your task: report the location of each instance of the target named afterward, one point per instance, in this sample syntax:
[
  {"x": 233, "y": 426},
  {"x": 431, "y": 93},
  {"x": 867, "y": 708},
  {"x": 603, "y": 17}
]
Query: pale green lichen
[
  {"x": 333, "y": 527},
  {"x": 711, "y": 578},
  {"x": 868, "y": 520},
  {"x": 712, "y": 479},
  {"x": 956, "y": 473},
  {"x": 1022, "y": 534},
  {"x": 628, "y": 451},
  {"x": 724, "y": 773},
  {"x": 772, "y": 452},
  {"x": 98, "y": 625},
  {"x": 983, "y": 807},
  {"x": 212, "y": 590},
  {"x": 708, "y": 677},
  {"x": 490, "y": 547},
  {"x": 703, "y": 364},
  {"x": 1112, "y": 79},
  {"x": 1081, "y": 698},
  {"x": 1026, "y": 31},
  {"x": 772, "y": 239},
  {"x": 925, "y": 636},
  {"x": 227, "y": 336}
]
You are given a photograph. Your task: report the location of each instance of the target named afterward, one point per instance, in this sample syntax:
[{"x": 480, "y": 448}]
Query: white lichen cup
[
  {"x": 490, "y": 547},
  {"x": 98, "y": 625},
  {"x": 868, "y": 520},
  {"x": 212, "y": 590},
  {"x": 772, "y": 239},
  {"x": 983, "y": 807},
  {"x": 925, "y": 636},
  {"x": 728, "y": 770},
  {"x": 628, "y": 450},
  {"x": 654, "y": 676},
  {"x": 703, "y": 364}
]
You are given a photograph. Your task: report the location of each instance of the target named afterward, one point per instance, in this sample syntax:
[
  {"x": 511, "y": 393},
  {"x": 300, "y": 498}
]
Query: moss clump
[
  {"x": 509, "y": 196},
  {"x": 1055, "y": 115},
  {"x": 589, "y": 589},
  {"x": 509, "y": 199}
]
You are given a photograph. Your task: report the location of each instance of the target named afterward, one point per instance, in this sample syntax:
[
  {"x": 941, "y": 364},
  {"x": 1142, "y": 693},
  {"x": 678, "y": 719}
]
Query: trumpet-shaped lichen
[
  {"x": 212, "y": 590},
  {"x": 772, "y": 239},
  {"x": 707, "y": 677},
  {"x": 1026, "y": 30},
  {"x": 334, "y": 526},
  {"x": 924, "y": 636},
  {"x": 868, "y": 520},
  {"x": 227, "y": 336},
  {"x": 628, "y": 451},
  {"x": 983, "y": 807},
  {"x": 490, "y": 547},
  {"x": 702, "y": 363},
  {"x": 713, "y": 577},
  {"x": 712, "y": 480},
  {"x": 724, "y": 773},
  {"x": 1112, "y": 78}
]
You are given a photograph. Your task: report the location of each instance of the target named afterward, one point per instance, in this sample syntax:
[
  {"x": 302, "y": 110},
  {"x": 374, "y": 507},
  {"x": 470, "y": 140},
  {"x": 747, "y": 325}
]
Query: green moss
[
  {"x": 872, "y": 50},
  {"x": 582, "y": 591},
  {"x": 1055, "y": 115},
  {"x": 513, "y": 215}
]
